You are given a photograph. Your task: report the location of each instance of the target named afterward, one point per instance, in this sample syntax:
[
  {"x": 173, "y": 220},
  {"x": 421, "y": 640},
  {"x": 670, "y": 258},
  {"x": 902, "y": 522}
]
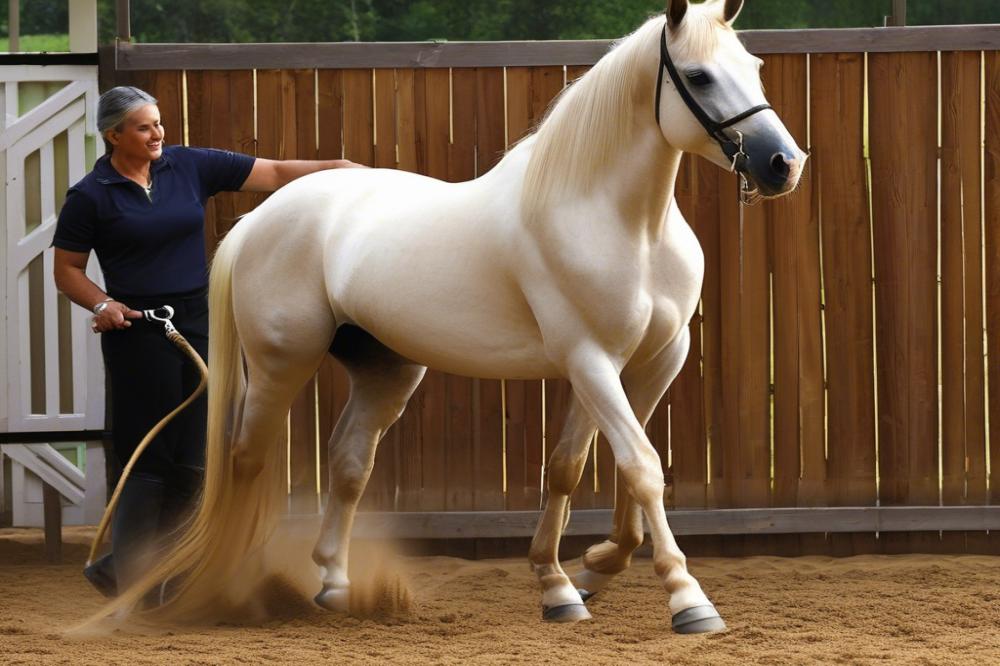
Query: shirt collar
[{"x": 105, "y": 174}]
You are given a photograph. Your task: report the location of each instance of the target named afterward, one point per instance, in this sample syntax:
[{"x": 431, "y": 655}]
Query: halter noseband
[{"x": 732, "y": 149}]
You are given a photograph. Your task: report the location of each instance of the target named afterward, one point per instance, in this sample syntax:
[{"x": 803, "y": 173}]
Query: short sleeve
[
  {"x": 77, "y": 224},
  {"x": 221, "y": 170}
]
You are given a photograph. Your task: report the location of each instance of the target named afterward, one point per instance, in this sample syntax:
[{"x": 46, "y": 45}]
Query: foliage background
[{"x": 418, "y": 20}]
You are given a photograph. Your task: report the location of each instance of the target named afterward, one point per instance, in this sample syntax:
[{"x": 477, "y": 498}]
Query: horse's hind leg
[
  {"x": 381, "y": 384},
  {"x": 561, "y": 602}
]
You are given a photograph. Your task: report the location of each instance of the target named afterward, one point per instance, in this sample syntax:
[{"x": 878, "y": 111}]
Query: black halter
[{"x": 732, "y": 149}]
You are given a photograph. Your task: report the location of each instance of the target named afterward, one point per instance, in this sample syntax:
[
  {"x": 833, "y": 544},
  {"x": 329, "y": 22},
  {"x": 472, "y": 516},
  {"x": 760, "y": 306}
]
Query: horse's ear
[
  {"x": 676, "y": 9},
  {"x": 732, "y": 10}
]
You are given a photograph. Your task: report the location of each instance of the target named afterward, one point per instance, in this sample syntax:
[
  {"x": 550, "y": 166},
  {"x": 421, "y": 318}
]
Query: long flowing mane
[{"x": 596, "y": 116}]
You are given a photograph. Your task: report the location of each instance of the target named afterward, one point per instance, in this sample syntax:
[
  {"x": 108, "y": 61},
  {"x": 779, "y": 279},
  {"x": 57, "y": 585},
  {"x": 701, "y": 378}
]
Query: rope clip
[{"x": 161, "y": 314}]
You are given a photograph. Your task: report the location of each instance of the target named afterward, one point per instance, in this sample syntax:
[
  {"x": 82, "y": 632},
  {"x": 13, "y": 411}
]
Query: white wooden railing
[{"x": 49, "y": 360}]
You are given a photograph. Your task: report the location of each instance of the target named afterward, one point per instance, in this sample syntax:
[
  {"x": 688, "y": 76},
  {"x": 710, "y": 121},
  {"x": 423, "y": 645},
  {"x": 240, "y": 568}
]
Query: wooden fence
[{"x": 841, "y": 349}]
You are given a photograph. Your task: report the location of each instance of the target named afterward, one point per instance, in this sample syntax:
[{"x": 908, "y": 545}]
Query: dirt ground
[{"x": 909, "y": 609}]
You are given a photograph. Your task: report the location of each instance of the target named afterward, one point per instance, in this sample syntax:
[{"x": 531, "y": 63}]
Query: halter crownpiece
[{"x": 732, "y": 149}]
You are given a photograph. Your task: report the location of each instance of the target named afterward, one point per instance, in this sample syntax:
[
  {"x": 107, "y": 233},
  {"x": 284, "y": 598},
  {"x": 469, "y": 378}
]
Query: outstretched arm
[{"x": 269, "y": 175}]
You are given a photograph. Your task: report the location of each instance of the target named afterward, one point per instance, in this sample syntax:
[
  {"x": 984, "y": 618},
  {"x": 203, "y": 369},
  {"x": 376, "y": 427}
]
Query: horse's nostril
[{"x": 780, "y": 165}]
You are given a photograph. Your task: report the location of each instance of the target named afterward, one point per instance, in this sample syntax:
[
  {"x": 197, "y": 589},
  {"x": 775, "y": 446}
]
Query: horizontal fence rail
[
  {"x": 593, "y": 522},
  {"x": 349, "y": 55},
  {"x": 840, "y": 353}
]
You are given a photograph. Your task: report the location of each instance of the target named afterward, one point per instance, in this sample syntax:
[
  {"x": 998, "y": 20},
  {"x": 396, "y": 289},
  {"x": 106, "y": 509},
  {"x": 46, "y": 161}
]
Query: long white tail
[{"x": 236, "y": 512}]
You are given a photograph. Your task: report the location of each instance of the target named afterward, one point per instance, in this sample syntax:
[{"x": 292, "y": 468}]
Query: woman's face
[{"x": 140, "y": 135}]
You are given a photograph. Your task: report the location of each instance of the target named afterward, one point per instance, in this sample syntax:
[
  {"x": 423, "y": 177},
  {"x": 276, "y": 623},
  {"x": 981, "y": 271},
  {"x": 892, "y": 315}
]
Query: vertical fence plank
[
  {"x": 490, "y": 118},
  {"x": 702, "y": 213},
  {"x": 903, "y": 130},
  {"x": 359, "y": 116},
  {"x": 380, "y": 493},
  {"x": 299, "y": 105},
  {"x": 689, "y": 453},
  {"x": 385, "y": 118},
  {"x": 461, "y": 391},
  {"x": 330, "y": 113},
  {"x": 799, "y": 441},
  {"x": 199, "y": 121},
  {"x": 334, "y": 385},
  {"x": 992, "y": 281},
  {"x": 488, "y": 416},
  {"x": 433, "y": 136},
  {"x": 840, "y": 196},
  {"x": 754, "y": 371},
  {"x": 529, "y": 92},
  {"x": 519, "y": 479},
  {"x": 359, "y": 146},
  {"x": 170, "y": 101},
  {"x": 409, "y": 470},
  {"x": 963, "y": 382}
]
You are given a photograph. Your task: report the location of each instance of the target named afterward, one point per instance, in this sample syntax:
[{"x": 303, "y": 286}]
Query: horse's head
[{"x": 710, "y": 100}]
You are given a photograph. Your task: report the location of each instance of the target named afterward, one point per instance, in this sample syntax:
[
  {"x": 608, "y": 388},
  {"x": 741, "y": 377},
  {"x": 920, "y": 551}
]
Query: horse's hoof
[
  {"x": 585, "y": 595},
  {"x": 698, "y": 620},
  {"x": 566, "y": 613},
  {"x": 336, "y": 599}
]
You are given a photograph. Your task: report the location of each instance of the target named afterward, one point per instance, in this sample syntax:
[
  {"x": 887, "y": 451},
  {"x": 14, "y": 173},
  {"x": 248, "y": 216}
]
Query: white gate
[{"x": 54, "y": 379}]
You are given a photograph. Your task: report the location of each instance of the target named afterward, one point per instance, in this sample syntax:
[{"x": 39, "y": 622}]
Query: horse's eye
[{"x": 698, "y": 77}]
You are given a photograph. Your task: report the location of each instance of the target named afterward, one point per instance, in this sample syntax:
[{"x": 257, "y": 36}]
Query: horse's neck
[
  {"x": 642, "y": 183},
  {"x": 637, "y": 184}
]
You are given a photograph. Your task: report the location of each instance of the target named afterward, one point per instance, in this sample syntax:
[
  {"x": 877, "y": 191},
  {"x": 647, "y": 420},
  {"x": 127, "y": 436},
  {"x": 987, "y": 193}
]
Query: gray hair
[{"x": 116, "y": 104}]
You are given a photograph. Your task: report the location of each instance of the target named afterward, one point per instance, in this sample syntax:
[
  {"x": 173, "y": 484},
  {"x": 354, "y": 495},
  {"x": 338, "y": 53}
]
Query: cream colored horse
[{"x": 569, "y": 259}]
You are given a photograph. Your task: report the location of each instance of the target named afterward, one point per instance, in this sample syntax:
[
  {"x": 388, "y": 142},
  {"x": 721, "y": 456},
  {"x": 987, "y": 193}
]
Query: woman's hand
[{"x": 115, "y": 316}]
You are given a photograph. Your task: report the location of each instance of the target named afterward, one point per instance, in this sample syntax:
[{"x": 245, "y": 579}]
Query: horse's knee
[{"x": 645, "y": 481}]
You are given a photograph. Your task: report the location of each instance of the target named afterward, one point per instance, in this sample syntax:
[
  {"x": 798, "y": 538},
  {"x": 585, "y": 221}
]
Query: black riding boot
[
  {"x": 183, "y": 491},
  {"x": 134, "y": 531},
  {"x": 136, "y": 526},
  {"x": 101, "y": 574}
]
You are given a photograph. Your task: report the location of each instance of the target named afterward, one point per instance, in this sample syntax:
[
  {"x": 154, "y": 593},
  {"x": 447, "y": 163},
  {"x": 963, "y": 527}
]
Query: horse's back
[{"x": 421, "y": 264}]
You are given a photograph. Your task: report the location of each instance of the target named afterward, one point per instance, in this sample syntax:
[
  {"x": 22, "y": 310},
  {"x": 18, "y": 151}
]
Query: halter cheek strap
[{"x": 732, "y": 149}]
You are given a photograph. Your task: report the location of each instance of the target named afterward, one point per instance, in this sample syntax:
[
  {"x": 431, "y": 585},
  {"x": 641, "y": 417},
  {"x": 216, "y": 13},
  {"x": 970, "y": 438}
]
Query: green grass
[{"x": 54, "y": 43}]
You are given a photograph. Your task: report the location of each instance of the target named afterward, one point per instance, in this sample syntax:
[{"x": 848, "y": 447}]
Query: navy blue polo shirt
[{"x": 150, "y": 248}]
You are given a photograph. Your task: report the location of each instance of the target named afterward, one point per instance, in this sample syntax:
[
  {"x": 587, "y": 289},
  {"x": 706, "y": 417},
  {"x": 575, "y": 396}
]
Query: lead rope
[{"x": 175, "y": 337}]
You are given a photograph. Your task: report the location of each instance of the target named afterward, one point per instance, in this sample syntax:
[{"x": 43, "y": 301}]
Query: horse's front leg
[
  {"x": 561, "y": 602},
  {"x": 596, "y": 382},
  {"x": 645, "y": 383}
]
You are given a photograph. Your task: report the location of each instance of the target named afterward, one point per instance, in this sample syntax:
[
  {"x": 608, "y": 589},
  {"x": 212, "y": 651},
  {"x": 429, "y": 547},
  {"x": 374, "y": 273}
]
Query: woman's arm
[
  {"x": 269, "y": 175},
  {"x": 70, "y": 272}
]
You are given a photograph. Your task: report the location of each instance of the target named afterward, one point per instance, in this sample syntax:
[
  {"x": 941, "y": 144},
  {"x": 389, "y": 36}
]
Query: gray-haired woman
[{"x": 141, "y": 210}]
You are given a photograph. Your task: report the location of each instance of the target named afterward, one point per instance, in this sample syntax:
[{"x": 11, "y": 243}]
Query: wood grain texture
[
  {"x": 992, "y": 277},
  {"x": 963, "y": 421},
  {"x": 688, "y": 437},
  {"x": 799, "y": 438},
  {"x": 840, "y": 200},
  {"x": 904, "y": 204},
  {"x": 812, "y": 520}
]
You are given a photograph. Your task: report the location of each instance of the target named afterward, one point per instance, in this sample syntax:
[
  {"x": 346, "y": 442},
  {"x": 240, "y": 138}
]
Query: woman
[{"x": 142, "y": 211}]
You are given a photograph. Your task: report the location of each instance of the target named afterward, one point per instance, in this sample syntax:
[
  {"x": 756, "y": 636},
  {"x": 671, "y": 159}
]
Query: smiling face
[
  {"x": 723, "y": 80},
  {"x": 140, "y": 135}
]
